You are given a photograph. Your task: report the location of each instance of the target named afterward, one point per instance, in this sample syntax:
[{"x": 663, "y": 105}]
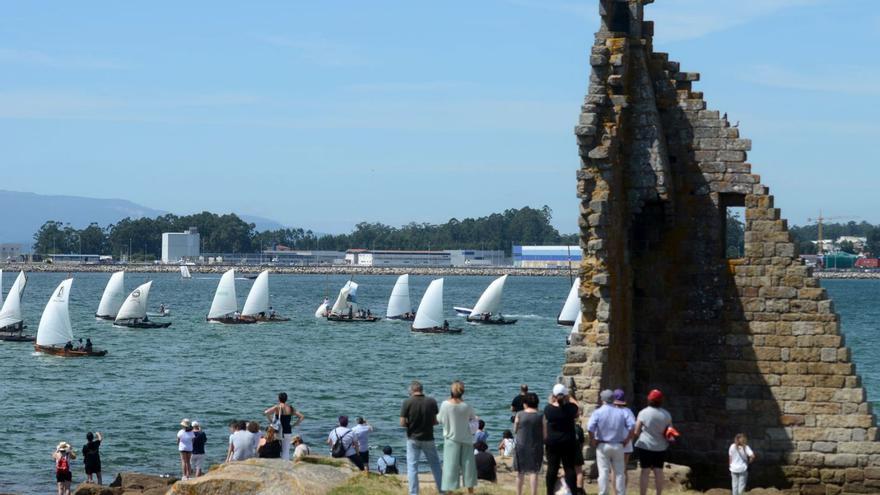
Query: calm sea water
[{"x": 151, "y": 379}]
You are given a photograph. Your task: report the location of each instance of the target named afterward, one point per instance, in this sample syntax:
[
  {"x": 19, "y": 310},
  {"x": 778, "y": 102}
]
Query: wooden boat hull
[
  {"x": 402, "y": 318},
  {"x": 143, "y": 324},
  {"x": 266, "y": 319},
  {"x": 435, "y": 330},
  {"x": 493, "y": 322},
  {"x": 231, "y": 321},
  {"x": 18, "y": 338},
  {"x": 61, "y": 352},
  {"x": 355, "y": 319}
]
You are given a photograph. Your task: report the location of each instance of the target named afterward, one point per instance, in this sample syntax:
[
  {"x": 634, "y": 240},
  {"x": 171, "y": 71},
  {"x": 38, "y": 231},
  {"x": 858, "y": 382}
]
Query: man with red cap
[{"x": 651, "y": 441}]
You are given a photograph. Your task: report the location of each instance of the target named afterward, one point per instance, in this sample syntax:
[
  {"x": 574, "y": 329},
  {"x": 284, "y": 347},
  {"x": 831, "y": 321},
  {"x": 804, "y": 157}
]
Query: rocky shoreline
[{"x": 495, "y": 271}]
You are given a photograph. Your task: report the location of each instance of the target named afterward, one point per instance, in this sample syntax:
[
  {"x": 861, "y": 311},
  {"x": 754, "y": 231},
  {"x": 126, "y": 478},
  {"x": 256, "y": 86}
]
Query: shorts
[
  {"x": 650, "y": 459},
  {"x": 197, "y": 462},
  {"x": 365, "y": 457},
  {"x": 579, "y": 455},
  {"x": 63, "y": 476}
]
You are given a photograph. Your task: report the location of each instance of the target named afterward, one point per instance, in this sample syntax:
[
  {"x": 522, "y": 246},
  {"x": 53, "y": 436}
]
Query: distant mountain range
[{"x": 24, "y": 213}]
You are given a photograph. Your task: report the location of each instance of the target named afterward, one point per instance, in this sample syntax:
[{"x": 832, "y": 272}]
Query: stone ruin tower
[{"x": 737, "y": 345}]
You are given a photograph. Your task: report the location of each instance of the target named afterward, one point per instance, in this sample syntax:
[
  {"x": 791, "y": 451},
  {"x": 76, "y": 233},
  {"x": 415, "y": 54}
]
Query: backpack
[
  {"x": 391, "y": 468},
  {"x": 339, "y": 449},
  {"x": 62, "y": 465}
]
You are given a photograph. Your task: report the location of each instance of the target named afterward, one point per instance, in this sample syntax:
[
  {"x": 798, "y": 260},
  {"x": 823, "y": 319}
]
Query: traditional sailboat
[
  {"x": 133, "y": 313},
  {"x": 323, "y": 310},
  {"x": 184, "y": 272},
  {"x": 488, "y": 307},
  {"x": 345, "y": 308},
  {"x": 429, "y": 317},
  {"x": 224, "y": 308},
  {"x": 55, "y": 334},
  {"x": 111, "y": 300},
  {"x": 572, "y": 305},
  {"x": 399, "y": 304},
  {"x": 11, "y": 322},
  {"x": 256, "y": 306}
]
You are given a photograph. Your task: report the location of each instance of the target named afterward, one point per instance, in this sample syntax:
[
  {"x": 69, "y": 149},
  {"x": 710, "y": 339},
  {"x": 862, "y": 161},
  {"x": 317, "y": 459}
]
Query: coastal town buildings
[
  {"x": 10, "y": 251},
  {"x": 373, "y": 258},
  {"x": 546, "y": 256}
]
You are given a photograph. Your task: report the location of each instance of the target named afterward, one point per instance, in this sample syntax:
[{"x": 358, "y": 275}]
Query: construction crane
[{"x": 819, "y": 221}]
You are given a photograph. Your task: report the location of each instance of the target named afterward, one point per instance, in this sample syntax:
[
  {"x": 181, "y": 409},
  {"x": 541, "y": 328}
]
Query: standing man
[
  {"x": 610, "y": 429},
  {"x": 516, "y": 405},
  {"x": 418, "y": 415},
  {"x": 362, "y": 431},
  {"x": 651, "y": 444}
]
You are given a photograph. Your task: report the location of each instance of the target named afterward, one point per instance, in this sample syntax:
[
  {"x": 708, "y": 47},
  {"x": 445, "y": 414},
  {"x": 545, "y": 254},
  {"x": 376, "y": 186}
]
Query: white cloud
[
  {"x": 319, "y": 51},
  {"x": 43, "y": 59},
  {"x": 679, "y": 20},
  {"x": 825, "y": 79}
]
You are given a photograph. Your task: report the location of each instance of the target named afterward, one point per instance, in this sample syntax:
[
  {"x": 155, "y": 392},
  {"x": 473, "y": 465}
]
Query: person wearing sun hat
[
  {"x": 610, "y": 429},
  {"x": 619, "y": 397},
  {"x": 559, "y": 437},
  {"x": 651, "y": 444},
  {"x": 185, "y": 439},
  {"x": 63, "y": 455}
]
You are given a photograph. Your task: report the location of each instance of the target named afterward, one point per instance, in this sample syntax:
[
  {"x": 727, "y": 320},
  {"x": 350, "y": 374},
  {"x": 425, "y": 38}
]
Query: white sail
[
  {"x": 55, "y": 329},
  {"x": 345, "y": 299},
  {"x": 399, "y": 302},
  {"x": 322, "y": 310},
  {"x": 113, "y": 296},
  {"x": 225, "y": 302},
  {"x": 572, "y": 305},
  {"x": 577, "y": 322},
  {"x": 10, "y": 314},
  {"x": 430, "y": 312},
  {"x": 490, "y": 301},
  {"x": 1, "y": 286},
  {"x": 135, "y": 305},
  {"x": 258, "y": 298},
  {"x": 184, "y": 272}
]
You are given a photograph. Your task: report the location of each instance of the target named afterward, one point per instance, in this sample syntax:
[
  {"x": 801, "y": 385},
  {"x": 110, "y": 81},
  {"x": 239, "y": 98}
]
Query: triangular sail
[
  {"x": 577, "y": 322},
  {"x": 346, "y": 299},
  {"x": 55, "y": 329},
  {"x": 490, "y": 301},
  {"x": 430, "y": 312},
  {"x": 225, "y": 302},
  {"x": 135, "y": 305},
  {"x": 572, "y": 305},
  {"x": 322, "y": 310},
  {"x": 184, "y": 272},
  {"x": 1, "y": 286},
  {"x": 113, "y": 296},
  {"x": 258, "y": 298},
  {"x": 399, "y": 302},
  {"x": 10, "y": 314}
]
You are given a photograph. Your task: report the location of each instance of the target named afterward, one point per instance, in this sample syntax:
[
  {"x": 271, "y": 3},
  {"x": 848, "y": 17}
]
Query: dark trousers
[
  {"x": 356, "y": 460},
  {"x": 564, "y": 454}
]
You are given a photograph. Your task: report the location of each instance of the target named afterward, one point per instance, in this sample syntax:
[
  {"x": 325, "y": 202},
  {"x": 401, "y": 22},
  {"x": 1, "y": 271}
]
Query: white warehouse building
[
  {"x": 368, "y": 257},
  {"x": 177, "y": 246}
]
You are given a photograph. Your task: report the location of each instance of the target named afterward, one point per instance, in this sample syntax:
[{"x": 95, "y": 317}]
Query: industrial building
[
  {"x": 477, "y": 257},
  {"x": 368, "y": 257},
  {"x": 10, "y": 251},
  {"x": 546, "y": 256},
  {"x": 181, "y": 246},
  {"x": 303, "y": 258}
]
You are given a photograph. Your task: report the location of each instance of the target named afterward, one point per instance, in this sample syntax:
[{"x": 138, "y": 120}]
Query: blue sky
[{"x": 322, "y": 114}]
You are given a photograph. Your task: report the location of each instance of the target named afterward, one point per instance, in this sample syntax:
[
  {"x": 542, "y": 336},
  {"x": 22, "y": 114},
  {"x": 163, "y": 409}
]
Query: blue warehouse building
[{"x": 546, "y": 256}]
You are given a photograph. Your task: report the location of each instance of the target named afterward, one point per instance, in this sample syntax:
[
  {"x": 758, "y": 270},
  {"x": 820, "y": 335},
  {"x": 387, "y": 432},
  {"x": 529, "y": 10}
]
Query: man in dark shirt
[
  {"x": 198, "y": 453},
  {"x": 418, "y": 415},
  {"x": 559, "y": 437},
  {"x": 516, "y": 405},
  {"x": 485, "y": 463}
]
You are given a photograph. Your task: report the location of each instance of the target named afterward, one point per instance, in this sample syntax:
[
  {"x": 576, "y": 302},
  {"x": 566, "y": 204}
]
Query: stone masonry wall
[{"x": 748, "y": 345}]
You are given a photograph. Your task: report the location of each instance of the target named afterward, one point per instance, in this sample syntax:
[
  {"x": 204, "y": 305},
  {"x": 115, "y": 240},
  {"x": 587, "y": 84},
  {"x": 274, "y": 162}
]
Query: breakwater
[{"x": 495, "y": 271}]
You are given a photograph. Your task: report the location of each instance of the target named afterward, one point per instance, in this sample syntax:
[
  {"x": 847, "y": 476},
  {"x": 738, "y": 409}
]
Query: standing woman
[
  {"x": 185, "y": 446},
  {"x": 63, "y": 455},
  {"x": 458, "y": 449},
  {"x": 529, "y": 453},
  {"x": 559, "y": 437},
  {"x": 92, "y": 456},
  {"x": 651, "y": 443},
  {"x": 282, "y": 411},
  {"x": 739, "y": 456}
]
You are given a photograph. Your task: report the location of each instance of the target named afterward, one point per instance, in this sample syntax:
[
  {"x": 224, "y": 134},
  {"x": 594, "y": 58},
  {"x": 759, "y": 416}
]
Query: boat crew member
[
  {"x": 350, "y": 313},
  {"x": 88, "y": 345},
  {"x": 369, "y": 314},
  {"x": 68, "y": 346},
  {"x": 162, "y": 309},
  {"x": 445, "y": 324},
  {"x": 271, "y": 313}
]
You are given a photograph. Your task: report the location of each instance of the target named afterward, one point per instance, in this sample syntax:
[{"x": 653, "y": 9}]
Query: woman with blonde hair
[
  {"x": 739, "y": 456},
  {"x": 458, "y": 449},
  {"x": 270, "y": 445}
]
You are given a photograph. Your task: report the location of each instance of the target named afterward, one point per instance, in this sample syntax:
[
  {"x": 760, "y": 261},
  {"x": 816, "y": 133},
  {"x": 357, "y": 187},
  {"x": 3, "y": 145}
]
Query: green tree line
[
  {"x": 142, "y": 237},
  {"x": 805, "y": 235}
]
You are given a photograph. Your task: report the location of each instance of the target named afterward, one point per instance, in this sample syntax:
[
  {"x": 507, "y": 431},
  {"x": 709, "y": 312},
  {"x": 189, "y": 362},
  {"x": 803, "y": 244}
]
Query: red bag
[{"x": 671, "y": 434}]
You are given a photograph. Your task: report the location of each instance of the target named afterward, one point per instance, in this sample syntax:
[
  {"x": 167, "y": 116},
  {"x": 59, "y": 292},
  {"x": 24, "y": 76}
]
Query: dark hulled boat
[
  {"x": 491, "y": 321},
  {"x": 352, "y": 319},
  {"x": 141, "y": 324},
  {"x": 62, "y": 352},
  {"x": 435, "y": 330},
  {"x": 230, "y": 320}
]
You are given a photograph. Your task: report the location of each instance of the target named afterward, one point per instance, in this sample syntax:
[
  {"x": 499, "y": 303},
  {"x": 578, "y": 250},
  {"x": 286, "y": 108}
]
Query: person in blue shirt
[{"x": 610, "y": 429}]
